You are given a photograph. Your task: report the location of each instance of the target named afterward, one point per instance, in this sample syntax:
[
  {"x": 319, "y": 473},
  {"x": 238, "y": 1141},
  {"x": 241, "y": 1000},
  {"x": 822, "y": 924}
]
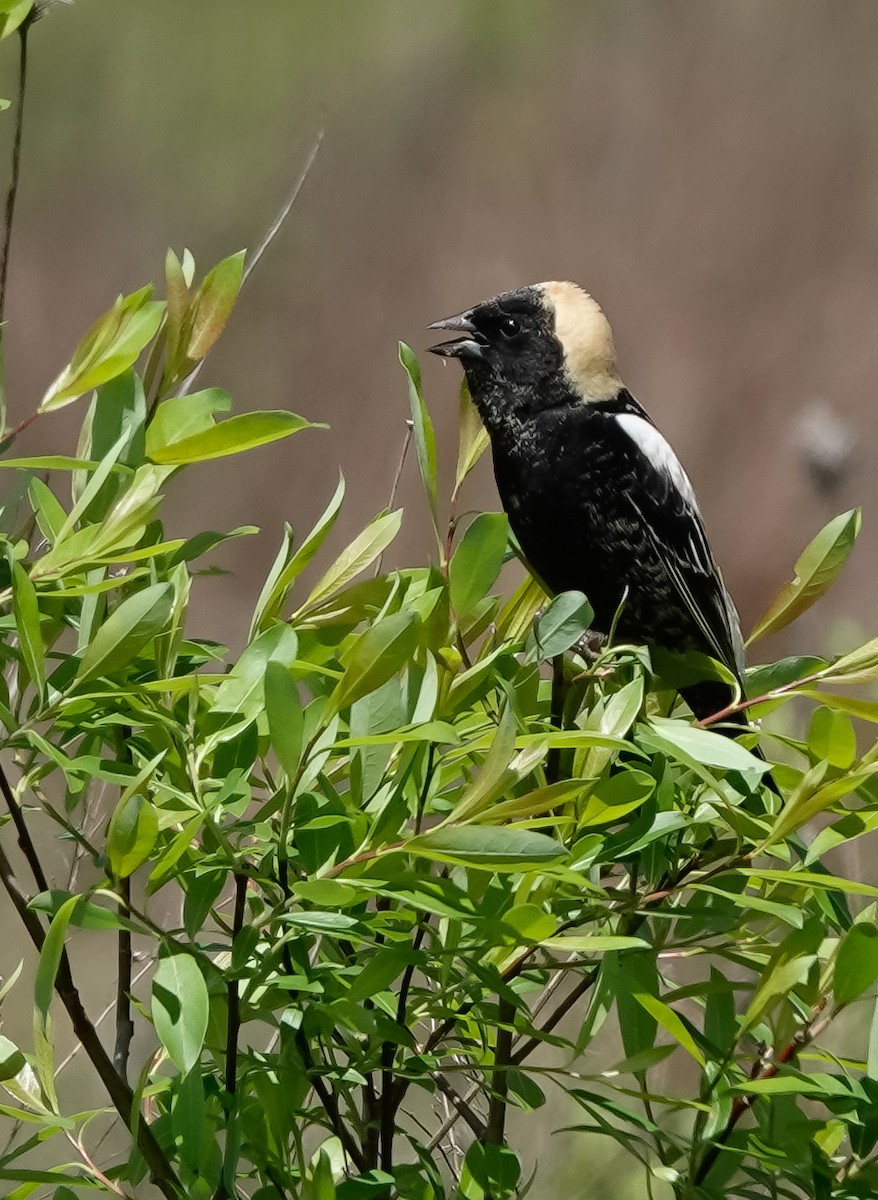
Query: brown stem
[
  {"x": 124, "y": 1024},
  {"x": 743, "y": 1103},
  {"x": 553, "y": 759},
  {"x": 120, "y": 1093},
  {"x": 25, "y": 841},
  {"x": 496, "y": 1128},
  {"x": 462, "y": 1108},
  {"x": 12, "y": 194}
]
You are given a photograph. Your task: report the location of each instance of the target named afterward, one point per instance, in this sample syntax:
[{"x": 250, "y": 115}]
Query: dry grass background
[{"x": 708, "y": 169}]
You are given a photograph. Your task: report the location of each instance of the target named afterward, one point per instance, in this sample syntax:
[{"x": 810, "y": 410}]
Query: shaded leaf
[
  {"x": 180, "y": 1009},
  {"x": 477, "y": 560}
]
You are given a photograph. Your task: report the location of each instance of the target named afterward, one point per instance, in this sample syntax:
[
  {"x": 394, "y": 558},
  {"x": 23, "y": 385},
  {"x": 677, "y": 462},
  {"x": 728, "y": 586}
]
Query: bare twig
[
  {"x": 407, "y": 441},
  {"x": 270, "y": 234},
  {"x": 463, "y": 1109},
  {"x": 234, "y": 1023},
  {"x": 15, "y": 175}
]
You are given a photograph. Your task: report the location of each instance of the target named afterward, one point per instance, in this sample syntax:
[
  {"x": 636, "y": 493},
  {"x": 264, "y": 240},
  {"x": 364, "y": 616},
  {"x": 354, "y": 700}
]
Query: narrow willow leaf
[
  {"x": 787, "y": 967},
  {"x": 672, "y": 1023},
  {"x": 473, "y": 438},
  {"x": 562, "y": 624},
  {"x": 504, "y": 849},
  {"x": 355, "y": 558},
  {"x": 594, "y": 943},
  {"x": 860, "y": 666},
  {"x": 11, "y": 1059},
  {"x": 233, "y": 436},
  {"x": 27, "y": 625},
  {"x": 111, "y": 346},
  {"x": 863, "y": 710},
  {"x": 287, "y": 567},
  {"x": 213, "y": 304},
  {"x": 703, "y": 746},
  {"x": 815, "y": 570},
  {"x": 242, "y": 690},
  {"x": 180, "y": 1009},
  {"x": 812, "y": 797},
  {"x": 49, "y": 513},
  {"x": 283, "y": 708},
  {"x": 476, "y": 562},
  {"x": 856, "y": 963},
  {"x": 126, "y": 631},
  {"x": 376, "y": 656},
  {"x": 811, "y": 879},
  {"x": 425, "y": 436}
]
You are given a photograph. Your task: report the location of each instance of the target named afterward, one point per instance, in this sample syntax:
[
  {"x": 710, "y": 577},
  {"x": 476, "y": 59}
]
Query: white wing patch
[{"x": 654, "y": 446}]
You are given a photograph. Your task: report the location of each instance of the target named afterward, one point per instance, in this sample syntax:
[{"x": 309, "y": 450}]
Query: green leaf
[
  {"x": 180, "y": 1009},
  {"x": 671, "y": 1023},
  {"x": 562, "y": 624},
  {"x": 11, "y": 1059},
  {"x": 425, "y": 436},
  {"x": 477, "y": 560},
  {"x": 688, "y": 743},
  {"x": 111, "y": 346},
  {"x": 860, "y": 666},
  {"x": 355, "y": 558},
  {"x": 183, "y": 417},
  {"x": 503, "y": 849},
  {"x": 376, "y": 656},
  {"x": 287, "y": 568},
  {"x": 831, "y": 737},
  {"x": 815, "y": 570},
  {"x": 12, "y": 13},
  {"x": 594, "y": 943},
  {"x": 133, "y": 832},
  {"x": 213, "y": 304},
  {"x": 283, "y": 707},
  {"x": 242, "y": 691},
  {"x": 811, "y": 797},
  {"x": 233, "y": 436},
  {"x": 856, "y": 963},
  {"x": 27, "y": 624},
  {"x": 126, "y": 631},
  {"x": 473, "y": 439}
]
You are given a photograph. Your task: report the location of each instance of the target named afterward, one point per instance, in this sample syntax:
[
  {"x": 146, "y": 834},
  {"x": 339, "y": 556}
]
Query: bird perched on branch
[{"x": 596, "y": 497}]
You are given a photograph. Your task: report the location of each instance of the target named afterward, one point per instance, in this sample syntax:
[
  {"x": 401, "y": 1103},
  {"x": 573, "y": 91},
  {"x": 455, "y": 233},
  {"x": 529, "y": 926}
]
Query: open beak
[{"x": 470, "y": 346}]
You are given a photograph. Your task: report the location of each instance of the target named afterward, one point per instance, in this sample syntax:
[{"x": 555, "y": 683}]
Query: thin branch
[
  {"x": 496, "y": 1128},
  {"x": 234, "y": 1022},
  {"x": 743, "y": 1103},
  {"x": 270, "y": 234},
  {"x": 25, "y": 841},
  {"x": 12, "y": 194},
  {"x": 389, "y": 1094},
  {"x": 118, "y": 1090},
  {"x": 462, "y": 1108},
  {"x": 557, "y": 1015},
  {"x": 124, "y": 1024},
  {"x": 407, "y": 441}
]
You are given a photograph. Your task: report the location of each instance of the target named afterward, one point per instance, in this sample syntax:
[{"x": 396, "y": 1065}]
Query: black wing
[{"x": 668, "y": 509}]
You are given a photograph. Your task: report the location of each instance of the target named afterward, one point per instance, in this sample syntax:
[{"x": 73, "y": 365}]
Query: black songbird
[{"x": 596, "y": 497}]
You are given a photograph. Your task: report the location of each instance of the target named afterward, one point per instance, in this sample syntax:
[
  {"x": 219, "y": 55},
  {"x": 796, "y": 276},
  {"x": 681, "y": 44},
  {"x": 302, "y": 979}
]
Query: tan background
[{"x": 708, "y": 169}]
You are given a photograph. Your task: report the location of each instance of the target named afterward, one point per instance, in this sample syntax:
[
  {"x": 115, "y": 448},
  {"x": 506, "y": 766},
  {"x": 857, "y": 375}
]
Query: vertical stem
[
  {"x": 12, "y": 194},
  {"x": 124, "y": 1024},
  {"x": 496, "y": 1129},
  {"x": 234, "y": 1022},
  {"x": 553, "y": 759}
]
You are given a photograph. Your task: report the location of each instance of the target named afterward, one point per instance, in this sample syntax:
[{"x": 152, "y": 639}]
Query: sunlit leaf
[
  {"x": 816, "y": 569},
  {"x": 233, "y": 436},
  {"x": 180, "y": 1009}
]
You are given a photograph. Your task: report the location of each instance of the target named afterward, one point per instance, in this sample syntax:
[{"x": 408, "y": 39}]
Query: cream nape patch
[{"x": 586, "y": 340}]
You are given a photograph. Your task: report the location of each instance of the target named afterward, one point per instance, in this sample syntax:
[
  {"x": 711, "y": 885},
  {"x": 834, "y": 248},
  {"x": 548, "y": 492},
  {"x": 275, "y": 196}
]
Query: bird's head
[{"x": 533, "y": 349}]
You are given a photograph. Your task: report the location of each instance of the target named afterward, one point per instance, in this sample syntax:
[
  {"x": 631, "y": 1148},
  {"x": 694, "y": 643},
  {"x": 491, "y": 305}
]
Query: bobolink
[{"x": 596, "y": 497}]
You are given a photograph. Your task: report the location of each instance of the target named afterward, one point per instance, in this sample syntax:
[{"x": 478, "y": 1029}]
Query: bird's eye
[{"x": 509, "y": 327}]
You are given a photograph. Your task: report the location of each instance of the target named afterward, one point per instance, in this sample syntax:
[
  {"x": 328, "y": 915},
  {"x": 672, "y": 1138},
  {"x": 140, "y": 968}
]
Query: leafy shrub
[
  {"x": 399, "y": 846},
  {"x": 413, "y": 858}
]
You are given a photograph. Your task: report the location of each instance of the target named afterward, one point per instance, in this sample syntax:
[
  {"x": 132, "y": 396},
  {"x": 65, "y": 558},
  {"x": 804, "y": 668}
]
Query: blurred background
[{"x": 708, "y": 170}]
